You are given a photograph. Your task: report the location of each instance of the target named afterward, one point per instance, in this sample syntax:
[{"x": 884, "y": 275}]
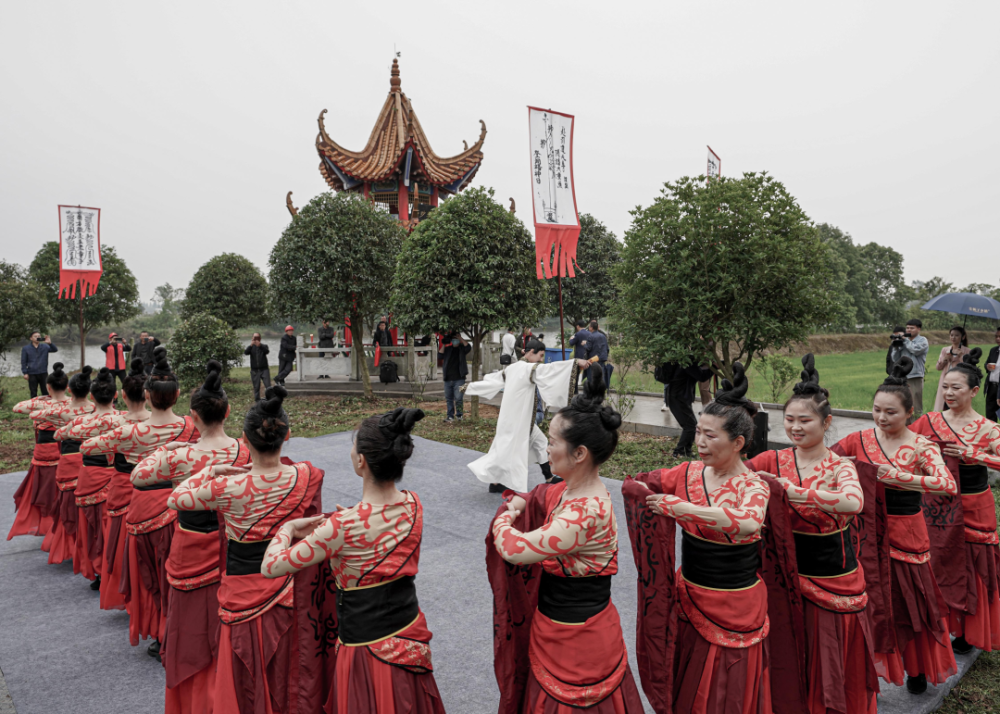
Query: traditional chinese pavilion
[{"x": 398, "y": 169}]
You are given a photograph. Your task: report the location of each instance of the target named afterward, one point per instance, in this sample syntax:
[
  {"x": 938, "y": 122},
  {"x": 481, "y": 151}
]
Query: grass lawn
[{"x": 851, "y": 378}]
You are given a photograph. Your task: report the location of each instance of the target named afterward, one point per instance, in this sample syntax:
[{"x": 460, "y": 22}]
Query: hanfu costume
[
  {"x": 977, "y": 619},
  {"x": 918, "y": 608},
  {"x": 261, "y": 652},
  {"x": 558, "y": 645},
  {"x": 37, "y": 497},
  {"x": 383, "y": 654},
  {"x": 148, "y": 523},
  {"x": 518, "y": 440}
]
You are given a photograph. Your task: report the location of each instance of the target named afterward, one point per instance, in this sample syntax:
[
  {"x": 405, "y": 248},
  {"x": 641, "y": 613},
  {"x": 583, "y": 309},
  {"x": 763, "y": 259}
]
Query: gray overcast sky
[{"x": 187, "y": 123}]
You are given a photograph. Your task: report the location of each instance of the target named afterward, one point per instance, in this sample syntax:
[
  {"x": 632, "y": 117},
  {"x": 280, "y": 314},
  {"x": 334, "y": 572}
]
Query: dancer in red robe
[
  {"x": 558, "y": 644},
  {"x": 259, "y": 651},
  {"x": 148, "y": 522},
  {"x": 96, "y": 473},
  {"x": 975, "y": 441},
  {"x": 383, "y": 642},
  {"x": 826, "y": 496},
  {"x": 36, "y": 498},
  {"x": 909, "y": 465},
  {"x": 61, "y": 542},
  {"x": 190, "y": 647}
]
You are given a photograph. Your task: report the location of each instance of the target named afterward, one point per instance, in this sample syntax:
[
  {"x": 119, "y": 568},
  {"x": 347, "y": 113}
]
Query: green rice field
[{"x": 851, "y": 379}]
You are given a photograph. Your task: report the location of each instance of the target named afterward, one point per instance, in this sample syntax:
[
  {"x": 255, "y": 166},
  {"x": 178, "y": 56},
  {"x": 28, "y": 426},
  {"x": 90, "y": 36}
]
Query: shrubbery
[{"x": 197, "y": 340}]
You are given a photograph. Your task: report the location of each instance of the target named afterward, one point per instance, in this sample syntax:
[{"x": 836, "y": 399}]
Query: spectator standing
[
  {"x": 680, "y": 396},
  {"x": 260, "y": 371},
  {"x": 915, "y": 346},
  {"x": 597, "y": 346},
  {"x": 143, "y": 349},
  {"x": 382, "y": 335},
  {"x": 114, "y": 356},
  {"x": 326, "y": 335},
  {"x": 286, "y": 355},
  {"x": 35, "y": 362},
  {"x": 993, "y": 379},
  {"x": 507, "y": 345},
  {"x": 950, "y": 356},
  {"x": 522, "y": 342},
  {"x": 579, "y": 340},
  {"x": 456, "y": 368}
]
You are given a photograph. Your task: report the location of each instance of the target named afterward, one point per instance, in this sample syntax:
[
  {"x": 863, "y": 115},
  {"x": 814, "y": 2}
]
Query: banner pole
[
  {"x": 562, "y": 329},
  {"x": 83, "y": 343}
]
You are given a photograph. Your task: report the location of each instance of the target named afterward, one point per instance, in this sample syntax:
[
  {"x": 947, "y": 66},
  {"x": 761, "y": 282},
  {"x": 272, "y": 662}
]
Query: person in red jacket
[{"x": 115, "y": 360}]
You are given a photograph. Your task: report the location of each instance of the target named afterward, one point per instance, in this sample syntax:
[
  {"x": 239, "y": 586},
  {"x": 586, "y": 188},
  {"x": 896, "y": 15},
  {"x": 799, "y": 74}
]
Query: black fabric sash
[
  {"x": 45, "y": 436},
  {"x": 122, "y": 465},
  {"x": 372, "y": 614},
  {"x": 902, "y": 503},
  {"x": 573, "y": 600},
  {"x": 158, "y": 486},
  {"x": 825, "y": 555},
  {"x": 199, "y": 521},
  {"x": 96, "y": 460},
  {"x": 70, "y": 446},
  {"x": 245, "y": 558},
  {"x": 717, "y": 565},
  {"x": 973, "y": 478}
]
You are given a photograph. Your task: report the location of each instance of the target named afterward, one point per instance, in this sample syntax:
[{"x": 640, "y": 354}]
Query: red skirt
[
  {"x": 981, "y": 625},
  {"x": 35, "y": 501},
  {"x": 920, "y": 621},
  {"x": 190, "y": 649},
  {"x": 711, "y": 679},
  {"x": 841, "y": 665},
  {"x": 144, "y": 582},
  {"x": 257, "y": 670},
  {"x": 112, "y": 597},
  {"x": 93, "y": 531},
  {"x": 61, "y": 540},
  {"x": 366, "y": 685}
]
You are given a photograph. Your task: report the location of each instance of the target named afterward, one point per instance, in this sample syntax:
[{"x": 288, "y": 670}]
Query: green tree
[
  {"x": 230, "y": 287},
  {"x": 23, "y": 306},
  {"x": 116, "y": 299},
  {"x": 719, "y": 271},
  {"x": 198, "y": 339},
  {"x": 336, "y": 258},
  {"x": 592, "y": 292},
  {"x": 469, "y": 266}
]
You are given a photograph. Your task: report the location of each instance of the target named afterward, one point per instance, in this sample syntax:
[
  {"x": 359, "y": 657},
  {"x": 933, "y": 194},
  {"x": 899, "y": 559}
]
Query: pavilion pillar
[{"x": 404, "y": 202}]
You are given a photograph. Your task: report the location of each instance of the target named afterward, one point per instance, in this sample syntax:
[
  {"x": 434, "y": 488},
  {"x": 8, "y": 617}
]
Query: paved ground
[{"x": 60, "y": 653}]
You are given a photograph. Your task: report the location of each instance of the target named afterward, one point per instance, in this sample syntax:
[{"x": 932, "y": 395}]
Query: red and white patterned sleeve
[
  {"x": 105, "y": 443},
  {"x": 30, "y": 405},
  {"x": 157, "y": 467},
  {"x": 741, "y": 519},
  {"x": 987, "y": 448},
  {"x": 204, "y": 492},
  {"x": 932, "y": 475},
  {"x": 844, "y": 497},
  {"x": 566, "y": 533},
  {"x": 324, "y": 543}
]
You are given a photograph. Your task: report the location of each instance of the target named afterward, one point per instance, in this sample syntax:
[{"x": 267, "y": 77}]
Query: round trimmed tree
[
  {"x": 230, "y": 287},
  {"x": 592, "y": 292},
  {"x": 198, "y": 339}
]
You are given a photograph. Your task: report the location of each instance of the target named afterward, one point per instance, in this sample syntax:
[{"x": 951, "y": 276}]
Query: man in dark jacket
[
  {"x": 680, "y": 396},
  {"x": 286, "y": 355},
  {"x": 259, "y": 369},
  {"x": 115, "y": 360},
  {"x": 326, "y": 335},
  {"x": 456, "y": 368},
  {"x": 35, "y": 362},
  {"x": 580, "y": 340},
  {"x": 143, "y": 349},
  {"x": 992, "y": 379}
]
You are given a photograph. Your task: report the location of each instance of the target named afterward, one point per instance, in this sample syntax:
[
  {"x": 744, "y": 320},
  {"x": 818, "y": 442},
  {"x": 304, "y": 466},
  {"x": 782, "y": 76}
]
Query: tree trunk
[
  {"x": 83, "y": 334},
  {"x": 476, "y": 361},
  {"x": 359, "y": 346}
]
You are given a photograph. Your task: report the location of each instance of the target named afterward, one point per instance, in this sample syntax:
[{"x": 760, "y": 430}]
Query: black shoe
[
  {"x": 154, "y": 650},
  {"x": 497, "y": 488},
  {"x": 916, "y": 685},
  {"x": 96, "y": 585},
  {"x": 960, "y": 646}
]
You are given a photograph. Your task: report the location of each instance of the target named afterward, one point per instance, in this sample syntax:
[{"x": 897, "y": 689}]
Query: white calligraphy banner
[
  {"x": 79, "y": 250},
  {"x": 557, "y": 225},
  {"x": 714, "y": 168}
]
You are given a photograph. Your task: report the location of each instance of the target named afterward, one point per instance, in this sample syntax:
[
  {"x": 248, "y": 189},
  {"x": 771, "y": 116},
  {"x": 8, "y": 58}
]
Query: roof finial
[{"x": 394, "y": 79}]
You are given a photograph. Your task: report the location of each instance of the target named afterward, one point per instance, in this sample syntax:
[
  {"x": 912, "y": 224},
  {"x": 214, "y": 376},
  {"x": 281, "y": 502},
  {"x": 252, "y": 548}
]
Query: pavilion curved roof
[{"x": 396, "y": 130}]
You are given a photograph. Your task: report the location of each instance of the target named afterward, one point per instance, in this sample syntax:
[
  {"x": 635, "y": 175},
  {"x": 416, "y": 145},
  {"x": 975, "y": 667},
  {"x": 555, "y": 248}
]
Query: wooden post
[
  {"x": 83, "y": 338},
  {"x": 562, "y": 330}
]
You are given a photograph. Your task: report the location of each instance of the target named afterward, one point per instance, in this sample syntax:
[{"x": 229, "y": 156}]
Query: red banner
[
  {"x": 553, "y": 194},
  {"x": 79, "y": 250}
]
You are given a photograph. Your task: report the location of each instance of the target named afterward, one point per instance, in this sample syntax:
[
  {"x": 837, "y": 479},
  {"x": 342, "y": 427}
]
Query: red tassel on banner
[
  {"x": 68, "y": 281},
  {"x": 563, "y": 240}
]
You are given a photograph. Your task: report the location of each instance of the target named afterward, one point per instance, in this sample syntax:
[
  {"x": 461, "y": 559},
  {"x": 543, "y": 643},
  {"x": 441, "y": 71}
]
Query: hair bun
[
  {"x": 900, "y": 372},
  {"x": 87, "y": 370},
  {"x": 733, "y": 394},
  {"x": 972, "y": 359},
  {"x": 137, "y": 368},
  {"x": 400, "y": 421},
  {"x": 270, "y": 405},
  {"x": 104, "y": 375},
  {"x": 58, "y": 367},
  {"x": 810, "y": 378},
  {"x": 611, "y": 419}
]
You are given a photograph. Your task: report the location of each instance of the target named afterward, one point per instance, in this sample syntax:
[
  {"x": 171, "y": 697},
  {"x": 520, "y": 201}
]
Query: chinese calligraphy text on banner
[
  {"x": 79, "y": 250},
  {"x": 714, "y": 168},
  {"x": 553, "y": 193}
]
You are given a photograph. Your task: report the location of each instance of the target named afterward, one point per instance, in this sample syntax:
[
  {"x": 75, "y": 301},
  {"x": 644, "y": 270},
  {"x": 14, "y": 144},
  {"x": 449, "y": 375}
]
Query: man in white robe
[{"x": 518, "y": 441}]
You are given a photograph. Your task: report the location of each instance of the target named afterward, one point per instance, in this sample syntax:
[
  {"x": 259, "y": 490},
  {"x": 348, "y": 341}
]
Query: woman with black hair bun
[
  {"x": 148, "y": 521},
  {"x": 719, "y": 635},
  {"x": 909, "y": 465},
  {"x": 190, "y": 647},
  {"x": 61, "y": 542},
  {"x": 975, "y": 441},
  {"x": 557, "y": 635},
  {"x": 825, "y": 497},
  {"x": 36, "y": 498},
  {"x": 373, "y": 549},
  {"x": 254, "y": 503}
]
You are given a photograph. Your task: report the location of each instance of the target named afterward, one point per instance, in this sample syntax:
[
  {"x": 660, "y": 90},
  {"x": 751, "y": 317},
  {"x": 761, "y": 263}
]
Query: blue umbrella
[{"x": 965, "y": 304}]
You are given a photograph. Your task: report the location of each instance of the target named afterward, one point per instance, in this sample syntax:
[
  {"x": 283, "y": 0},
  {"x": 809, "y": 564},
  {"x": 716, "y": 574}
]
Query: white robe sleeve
[
  {"x": 488, "y": 387},
  {"x": 552, "y": 380}
]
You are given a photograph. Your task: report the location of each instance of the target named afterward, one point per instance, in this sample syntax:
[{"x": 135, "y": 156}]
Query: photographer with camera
[
  {"x": 910, "y": 343},
  {"x": 456, "y": 369},
  {"x": 143, "y": 349},
  {"x": 35, "y": 362},
  {"x": 114, "y": 356},
  {"x": 260, "y": 371}
]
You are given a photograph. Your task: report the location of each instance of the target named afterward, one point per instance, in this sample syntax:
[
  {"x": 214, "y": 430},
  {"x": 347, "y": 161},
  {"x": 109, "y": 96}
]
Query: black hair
[
  {"x": 210, "y": 399},
  {"x": 899, "y": 328},
  {"x": 266, "y": 424},
  {"x": 103, "y": 388},
  {"x": 808, "y": 390},
  {"x": 534, "y": 345},
  {"x": 581, "y": 323},
  {"x": 732, "y": 406},
  {"x": 593, "y": 324},
  {"x": 968, "y": 367},
  {"x": 385, "y": 442},
  {"x": 134, "y": 384},
  {"x": 961, "y": 330},
  {"x": 162, "y": 382},
  {"x": 896, "y": 382},
  {"x": 58, "y": 379},
  {"x": 915, "y": 322},
  {"x": 79, "y": 383},
  {"x": 588, "y": 421}
]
